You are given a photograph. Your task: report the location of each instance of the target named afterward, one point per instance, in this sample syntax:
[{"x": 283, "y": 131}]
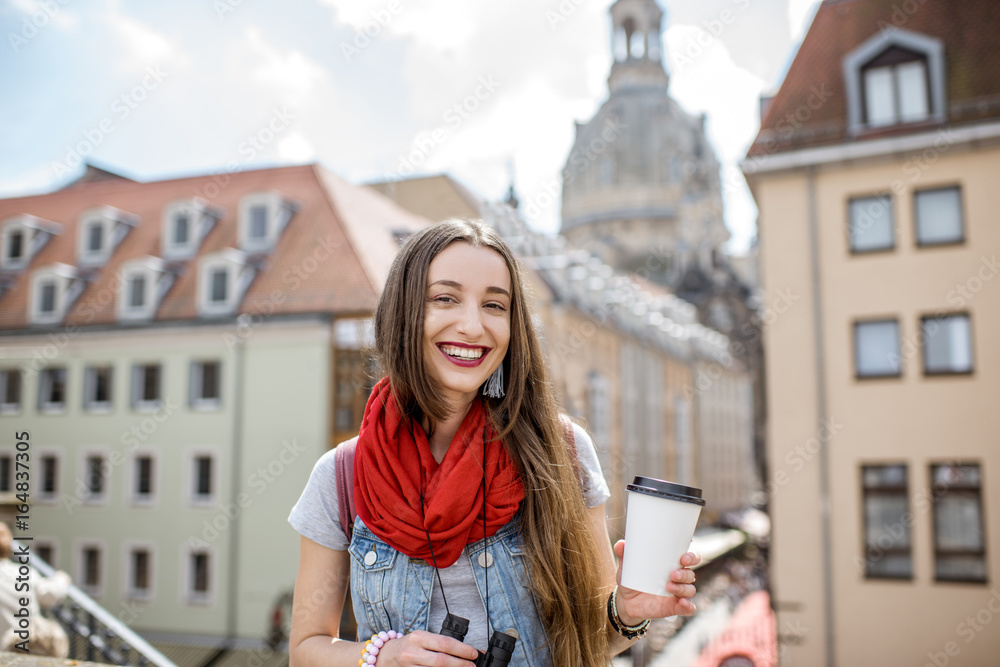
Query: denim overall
[{"x": 391, "y": 591}]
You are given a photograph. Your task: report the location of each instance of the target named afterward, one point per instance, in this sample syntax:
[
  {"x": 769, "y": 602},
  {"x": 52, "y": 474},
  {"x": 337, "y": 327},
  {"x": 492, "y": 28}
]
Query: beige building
[{"x": 875, "y": 172}]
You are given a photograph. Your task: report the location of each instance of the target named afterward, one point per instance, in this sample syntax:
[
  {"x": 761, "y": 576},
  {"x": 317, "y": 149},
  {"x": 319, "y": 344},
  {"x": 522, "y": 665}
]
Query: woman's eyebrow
[{"x": 451, "y": 283}]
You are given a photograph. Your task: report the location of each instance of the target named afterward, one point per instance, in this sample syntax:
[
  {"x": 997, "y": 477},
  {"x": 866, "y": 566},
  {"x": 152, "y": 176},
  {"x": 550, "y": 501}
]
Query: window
[
  {"x": 876, "y": 349},
  {"x": 186, "y": 223},
  {"x": 100, "y": 231},
  {"x": 258, "y": 223},
  {"x": 182, "y": 229},
  {"x": 21, "y": 237},
  {"x": 10, "y": 391},
  {"x": 199, "y": 576},
  {"x": 959, "y": 542},
  {"x": 6, "y": 472},
  {"x": 205, "y": 384},
  {"x": 136, "y": 292},
  {"x": 262, "y": 218},
  {"x": 90, "y": 569},
  {"x": 870, "y": 225},
  {"x": 896, "y": 76},
  {"x": 887, "y": 522},
  {"x": 223, "y": 277},
  {"x": 46, "y": 551},
  {"x": 52, "y": 390},
  {"x": 139, "y": 571},
  {"x": 896, "y": 93},
  {"x": 53, "y": 290},
  {"x": 218, "y": 293},
  {"x": 95, "y": 481},
  {"x": 97, "y": 388},
  {"x": 146, "y": 280},
  {"x": 47, "y": 297},
  {"x": 146, "y": 391},
  {"x": 947, "y": 344},
  {"x": 142, "y": 479},
  {"x": 203, "y": 476},
  {"x": 49, "y": 464},
  {"x": 938, "y": 216}
]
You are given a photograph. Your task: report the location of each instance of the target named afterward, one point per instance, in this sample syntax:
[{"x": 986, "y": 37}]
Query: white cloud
[
  {"x": 49, "y": 13},
  {"x": 800, "y": 14},
  {"x": 291, "y": 75},
  {"x": 146, "y": 45},
  {"x": 295, "y": 149}
]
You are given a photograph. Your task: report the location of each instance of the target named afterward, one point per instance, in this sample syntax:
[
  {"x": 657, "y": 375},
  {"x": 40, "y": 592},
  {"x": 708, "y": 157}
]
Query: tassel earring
[{"x": 493, "y": 387}]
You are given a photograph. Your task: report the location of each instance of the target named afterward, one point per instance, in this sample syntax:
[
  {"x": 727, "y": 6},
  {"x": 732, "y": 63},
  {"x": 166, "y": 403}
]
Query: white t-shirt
[{"x": 316, "y": 516}]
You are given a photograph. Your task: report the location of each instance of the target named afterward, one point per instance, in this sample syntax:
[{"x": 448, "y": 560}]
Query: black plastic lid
[{"x": 663, "y": 489}]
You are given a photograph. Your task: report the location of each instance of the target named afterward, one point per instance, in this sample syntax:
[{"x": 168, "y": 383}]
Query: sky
[{"x": 370, "y": 89}]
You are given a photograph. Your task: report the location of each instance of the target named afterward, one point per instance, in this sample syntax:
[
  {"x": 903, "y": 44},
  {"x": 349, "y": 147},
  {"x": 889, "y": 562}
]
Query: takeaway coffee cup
[{"x": 659, "y": 525}]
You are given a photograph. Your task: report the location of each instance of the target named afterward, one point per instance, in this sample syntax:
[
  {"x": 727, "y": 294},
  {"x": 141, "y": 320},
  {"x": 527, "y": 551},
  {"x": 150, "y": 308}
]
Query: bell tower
[{"x": 636, "y": 27}]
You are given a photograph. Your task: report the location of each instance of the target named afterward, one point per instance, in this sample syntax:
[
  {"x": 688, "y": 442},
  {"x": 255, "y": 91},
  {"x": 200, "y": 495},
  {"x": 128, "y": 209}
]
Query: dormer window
[
  {"x": 100, "y": 232},
  {"x": 263, "y": 216},
  {"x": 895, "y": 77},
  {"x": 21, "y": 238},
  {"x": 186, "y": 223},
  {"x": 53, "y": 290},
  {"x": 895, "y": 88},
  {"x": 145, "y": 281},
  {"x": 223, "y": 278}
]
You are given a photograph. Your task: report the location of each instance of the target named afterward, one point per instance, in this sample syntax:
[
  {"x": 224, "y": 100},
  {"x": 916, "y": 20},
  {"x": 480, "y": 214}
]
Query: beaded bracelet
[
  {"x": 626, "y": 631},
  {"x": 369, "y": 654}
]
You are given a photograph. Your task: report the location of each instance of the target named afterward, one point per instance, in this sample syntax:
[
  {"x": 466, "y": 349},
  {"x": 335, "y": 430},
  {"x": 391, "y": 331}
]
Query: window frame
[
  {"x": 5, "y": 375},
  {"x": 936, "y": 552},
  {"x": 238, "y": 277},
  {"x": 278, "y": 213},
  {"x": 45, "y": 406},
  {"x": 961, "y": 217},
  {"x": 196, "y": 400},
  {"x": 191, "y": 497},
  {"x": 857, "y": 349},
  {"x": 135, "y": 498},
  {"x": 923, "y": 347},
  {"x": 189, "y": 596},
  {"x": 140, "y": 404},
  {"x": 201, "y": 220},
  {"x": 39, "y": 493},
  {"x": 95, "y": 591},
  {"x": 891, "y": 202},
  {"x": 90, "y": 404},
  {"x": 130, "y": 592},
  {"x": 886, "y": 491},
  {"x": 9, "y": 453},
  {"x": 40, "y": 543},
  {"x": 84, "y": 492}
]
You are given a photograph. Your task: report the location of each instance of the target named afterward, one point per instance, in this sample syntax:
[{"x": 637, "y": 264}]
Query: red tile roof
[
  {"x": 972, "y": 67},
  {"x": 332, "y": 256}
]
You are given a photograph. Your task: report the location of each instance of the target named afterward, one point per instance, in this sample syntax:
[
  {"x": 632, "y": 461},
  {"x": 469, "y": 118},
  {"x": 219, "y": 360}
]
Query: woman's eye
[{"x": 496, "y": 306}]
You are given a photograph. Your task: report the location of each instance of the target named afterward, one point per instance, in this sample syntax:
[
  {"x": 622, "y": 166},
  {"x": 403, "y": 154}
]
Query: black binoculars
[{"x": 498, "y": 652}]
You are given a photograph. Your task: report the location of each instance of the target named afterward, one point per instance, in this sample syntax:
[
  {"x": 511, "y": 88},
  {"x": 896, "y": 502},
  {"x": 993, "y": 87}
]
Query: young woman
[{"x": 470, "y": 498}]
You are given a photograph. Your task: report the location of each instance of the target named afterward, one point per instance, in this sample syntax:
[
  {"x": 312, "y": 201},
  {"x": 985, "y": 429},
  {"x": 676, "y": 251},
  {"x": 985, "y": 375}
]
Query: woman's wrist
[
  {"x": 626, "y": 626},
  {"x": 370, "y": 653}
]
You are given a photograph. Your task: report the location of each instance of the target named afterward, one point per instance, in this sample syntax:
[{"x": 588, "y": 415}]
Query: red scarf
[{"x": 393, "y": 461}]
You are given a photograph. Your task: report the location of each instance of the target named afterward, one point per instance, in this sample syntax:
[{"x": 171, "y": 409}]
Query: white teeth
[{"x": 463, "y": 352}]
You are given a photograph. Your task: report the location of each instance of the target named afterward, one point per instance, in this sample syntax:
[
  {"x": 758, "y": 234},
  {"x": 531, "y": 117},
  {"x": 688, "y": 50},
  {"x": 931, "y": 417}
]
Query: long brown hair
[{"x": 564, "y": 563}]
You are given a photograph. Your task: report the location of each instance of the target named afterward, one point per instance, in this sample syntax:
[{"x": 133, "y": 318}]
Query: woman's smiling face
[{"x": 466, "y": 319}]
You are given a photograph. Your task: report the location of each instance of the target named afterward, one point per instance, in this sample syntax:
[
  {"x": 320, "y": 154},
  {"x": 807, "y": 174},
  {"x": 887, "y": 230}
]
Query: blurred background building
[{"x": 875, "y": 174}]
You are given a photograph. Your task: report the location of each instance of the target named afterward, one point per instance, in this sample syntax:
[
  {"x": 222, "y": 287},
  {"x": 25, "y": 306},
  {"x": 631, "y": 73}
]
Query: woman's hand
[
  {"x": 426, "y": 649},
  {"x": 634, "y": 606}
]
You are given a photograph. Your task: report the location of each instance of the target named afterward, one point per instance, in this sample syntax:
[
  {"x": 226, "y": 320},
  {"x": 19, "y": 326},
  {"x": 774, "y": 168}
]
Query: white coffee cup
[{"x": 659, "y": 526}]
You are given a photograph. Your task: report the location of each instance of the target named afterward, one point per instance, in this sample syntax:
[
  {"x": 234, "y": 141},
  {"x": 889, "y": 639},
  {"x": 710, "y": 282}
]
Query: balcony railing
[{"x": 97, "y": 636}]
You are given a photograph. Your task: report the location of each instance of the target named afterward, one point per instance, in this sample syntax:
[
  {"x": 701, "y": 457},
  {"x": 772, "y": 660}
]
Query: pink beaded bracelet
[{"x": 370, "y": 652}]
